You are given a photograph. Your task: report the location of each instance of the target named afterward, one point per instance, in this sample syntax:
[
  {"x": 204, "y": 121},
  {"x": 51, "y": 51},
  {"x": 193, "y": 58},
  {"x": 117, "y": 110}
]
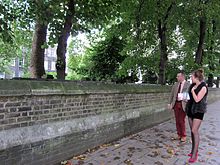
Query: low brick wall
[{"x": 45, "y": 122}]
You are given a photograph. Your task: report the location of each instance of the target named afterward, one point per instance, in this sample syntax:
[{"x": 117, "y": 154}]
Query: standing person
[
  {"x": 196, "y": 107},
  {"x": 178, "y": 104}
]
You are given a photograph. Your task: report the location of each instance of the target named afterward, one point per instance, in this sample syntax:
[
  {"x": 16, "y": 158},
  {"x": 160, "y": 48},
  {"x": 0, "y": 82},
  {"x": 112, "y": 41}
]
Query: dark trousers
[{"x": 180, "y": 117}]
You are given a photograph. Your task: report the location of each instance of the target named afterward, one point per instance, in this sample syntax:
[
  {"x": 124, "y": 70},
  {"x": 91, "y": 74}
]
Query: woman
[{"x": 196, "y": 107}]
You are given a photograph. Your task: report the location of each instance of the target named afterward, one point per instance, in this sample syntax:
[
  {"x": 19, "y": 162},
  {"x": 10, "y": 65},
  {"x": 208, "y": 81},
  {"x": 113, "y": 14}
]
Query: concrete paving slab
[{"x": 157, "y": 146}]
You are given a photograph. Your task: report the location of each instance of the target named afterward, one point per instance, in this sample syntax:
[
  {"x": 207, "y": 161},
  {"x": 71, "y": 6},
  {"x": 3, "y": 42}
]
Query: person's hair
[
  {"x": 182, "y": 72},
  {"x": 199, "y": 73}
]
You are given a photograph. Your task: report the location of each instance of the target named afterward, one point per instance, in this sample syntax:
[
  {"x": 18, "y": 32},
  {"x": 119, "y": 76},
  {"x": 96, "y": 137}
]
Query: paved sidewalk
[{"x": 156, "y": 146}]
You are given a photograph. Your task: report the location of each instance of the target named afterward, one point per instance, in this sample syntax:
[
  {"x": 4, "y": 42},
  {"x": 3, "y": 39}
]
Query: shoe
[
  {"x": 183, "y": 139},
  {"x": 190, "y": 154},
  {"x": 193, "y": 160}
]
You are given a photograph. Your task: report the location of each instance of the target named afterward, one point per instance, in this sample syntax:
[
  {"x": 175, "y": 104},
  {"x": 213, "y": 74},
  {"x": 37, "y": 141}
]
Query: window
[
  {"x": 13, "y": 62},
  {"x": 21, "y": 62},
  {"x": 46, "y": 65},
  {"x": 53, "y": 66},
  {"x": 49, "y": 65}
]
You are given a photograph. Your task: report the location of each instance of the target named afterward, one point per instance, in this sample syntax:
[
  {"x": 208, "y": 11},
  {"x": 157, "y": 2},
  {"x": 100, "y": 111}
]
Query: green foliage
[
  {"x": 173, "y": 67},
  {"x": 20, "y": 47},
  {"x": 87, "y": 15},
  {"x": 148, "y": 63},
  {"x": 7, "y": 16},
  {"x": 78, "y": 60},
  {"x": 78, "y": 66},
  {"x": 106, "y": 59},
  {"x": 135, "y": 23},
  {"x": 189, "y": 23},
  {"x": 15, "y": 41},
  {"x": 100, "y": 62},
  {"x": 51, "y": 75}
]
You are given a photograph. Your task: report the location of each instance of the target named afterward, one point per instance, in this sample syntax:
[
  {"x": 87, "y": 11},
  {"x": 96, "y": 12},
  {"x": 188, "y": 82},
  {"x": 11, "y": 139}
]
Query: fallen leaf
[
  {"x": 130, "y": 155},
  {"x": 209, "y": 153},
  {"x": 131, "y": 149},
  {"x": 79, "y": 157},
  {"x": 166, "y": 156},
  {"x": 117, "y": 145},
  {"x": 104, "y": 155},
  {"x": 66, "y": 163},
  {"x": 128, "y": 162},
  {"x": 170, "y": 151},
  {"x": 154, "y": 153},
  {"x": 117, "y": 158},
  {"x": 63, "y": 162},
  {"x": 158, "y": 163}
]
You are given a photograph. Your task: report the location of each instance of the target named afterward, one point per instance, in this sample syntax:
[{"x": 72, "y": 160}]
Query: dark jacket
[{"x": 200, "y": 106}]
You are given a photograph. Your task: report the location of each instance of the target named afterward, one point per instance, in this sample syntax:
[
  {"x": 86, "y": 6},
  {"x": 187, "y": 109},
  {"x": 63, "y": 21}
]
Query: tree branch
[{"x": 168, "y": 13}]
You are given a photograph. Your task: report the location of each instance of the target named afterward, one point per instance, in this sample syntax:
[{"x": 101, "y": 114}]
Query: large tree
[
  {"x": 62, "y": 40},
  {"x": 36, "y": 13},
  {"x": 75, "y": 16},
  {"x": 194, "y": 25},
  {"x": 152, "y": 29},
  {"x": 15, "y": 40},
  {"x": 163, "y": 20},
  {"x": 149, "y": 25},
  {"x": 37, "y": 54}
]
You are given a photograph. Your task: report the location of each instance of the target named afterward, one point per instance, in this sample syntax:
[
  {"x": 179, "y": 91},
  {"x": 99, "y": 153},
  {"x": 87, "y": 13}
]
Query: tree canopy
[{"x": 154, "y": 37}]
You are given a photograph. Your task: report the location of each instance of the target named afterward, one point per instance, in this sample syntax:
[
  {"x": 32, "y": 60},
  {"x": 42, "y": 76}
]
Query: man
[{"x": 178, "y": 103}]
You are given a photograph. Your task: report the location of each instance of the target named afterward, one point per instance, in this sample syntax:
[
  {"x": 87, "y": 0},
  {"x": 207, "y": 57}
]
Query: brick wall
[{"x": 45, "y": 122}]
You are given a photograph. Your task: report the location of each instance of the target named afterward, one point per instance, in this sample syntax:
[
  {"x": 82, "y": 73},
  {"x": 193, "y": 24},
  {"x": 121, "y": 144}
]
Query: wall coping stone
[{"x": 52, "y": 87}]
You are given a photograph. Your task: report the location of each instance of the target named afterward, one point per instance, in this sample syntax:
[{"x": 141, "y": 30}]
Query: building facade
[{"x": 17, "y": 66}]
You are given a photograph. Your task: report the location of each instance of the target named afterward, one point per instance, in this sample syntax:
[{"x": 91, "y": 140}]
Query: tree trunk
[
  {"x": 139, "y": 19},
  {"x": 200, "y": 48},
  {"x": 210, "y": 56},
  {"x": 217, "y": 81},
  {"x": 218, "y": 77},
  {"x": 211, "y": 49},
  {"x": 62, "y": 41},
  {"x": 162, "y": 30},
  {"x": 210, "y": 80},
  {"x": 163, "y": 52},
  {"x": 37, "y": 54}
]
